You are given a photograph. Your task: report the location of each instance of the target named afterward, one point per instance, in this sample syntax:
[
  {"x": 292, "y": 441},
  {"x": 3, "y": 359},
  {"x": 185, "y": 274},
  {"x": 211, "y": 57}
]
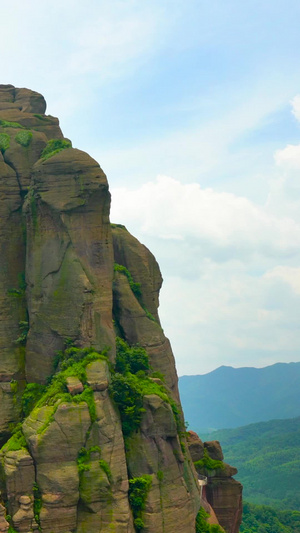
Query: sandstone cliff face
[
  {"x": 69, "y": 466},
  {"x": 91, "y": 428}
]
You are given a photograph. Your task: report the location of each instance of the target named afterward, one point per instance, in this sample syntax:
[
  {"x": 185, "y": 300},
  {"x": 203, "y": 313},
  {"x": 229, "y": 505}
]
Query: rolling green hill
[
  {"x": 232, "y": 397},
  {"x": 262, "y": 519},
  {"x": 267, "y": 455}
]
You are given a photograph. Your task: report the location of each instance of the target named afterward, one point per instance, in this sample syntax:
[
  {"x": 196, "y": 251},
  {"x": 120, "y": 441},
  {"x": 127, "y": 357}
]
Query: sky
[{"x": 192, "y": 109}]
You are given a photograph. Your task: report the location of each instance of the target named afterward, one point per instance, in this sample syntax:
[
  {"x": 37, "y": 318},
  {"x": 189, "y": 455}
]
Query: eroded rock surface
[
  {"x": 222, "y": 492},
  {"x": 69, "y": 284}
]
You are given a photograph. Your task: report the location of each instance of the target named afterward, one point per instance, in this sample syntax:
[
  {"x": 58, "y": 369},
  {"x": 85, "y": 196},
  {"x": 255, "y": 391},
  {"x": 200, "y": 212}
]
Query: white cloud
[
  {"x": 215, "y": 221},
  {"x": 290, "y": 275},
  {"x": 230, "y": 294},
  {"x": 289, "y": 157}
]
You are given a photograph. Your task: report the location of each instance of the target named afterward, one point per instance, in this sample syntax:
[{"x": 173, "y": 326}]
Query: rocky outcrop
[
  {"x": 69, "y": 259},
  {"x": 92, "y": 437},
  {"x": 137, "y": 317},
  {"x": 20, "y": 123},
  {"x": 222, "y": 492}
]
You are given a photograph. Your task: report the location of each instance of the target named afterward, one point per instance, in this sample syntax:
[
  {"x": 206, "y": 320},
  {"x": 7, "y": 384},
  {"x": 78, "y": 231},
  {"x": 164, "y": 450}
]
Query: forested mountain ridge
[
  {"x": 267, "y": 456},
  {"x": 234, "y": 397},
  {"x": 263, "y": 519}
]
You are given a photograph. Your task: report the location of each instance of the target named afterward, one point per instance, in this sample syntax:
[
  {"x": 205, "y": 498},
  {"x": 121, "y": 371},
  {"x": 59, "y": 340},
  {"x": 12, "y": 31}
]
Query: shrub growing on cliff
[
  {"x": 208, "y": 463},
  {"x": 16, "y": 442},
  {"x": 24, "y": 138},
  {"x": 54, "y": 146},
  {"x": 135, "y": 287},
  {"x": 138, "y": 491},
  {"x": 31, "y": 395},
  {"x": 128, "y": 392},
  {"x": 24, "y": 328},
  {"x": 130, "y": 359},
  {"x": 202, "y": 526},
  {"x": 128, "y": 395},
  {"x": 37, "y": 504}
]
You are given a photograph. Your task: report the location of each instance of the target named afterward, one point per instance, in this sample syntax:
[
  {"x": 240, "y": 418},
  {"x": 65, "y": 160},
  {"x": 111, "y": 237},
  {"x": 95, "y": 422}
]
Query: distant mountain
[
  {"x": 267, "y": 456},
  {"x": 231, "y": 397}
]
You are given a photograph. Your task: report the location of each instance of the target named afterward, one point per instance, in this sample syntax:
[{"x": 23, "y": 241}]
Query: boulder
[{"x": 196, "y": 446}]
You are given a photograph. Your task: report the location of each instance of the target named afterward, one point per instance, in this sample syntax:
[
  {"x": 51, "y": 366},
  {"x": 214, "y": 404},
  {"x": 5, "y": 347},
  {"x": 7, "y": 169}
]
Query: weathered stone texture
[
  {"x": 132, "y": 314},
  {"x": 55, "y": 234},
  {"x": 69, "y": 261},
  {"x": 222, "y": 492}
]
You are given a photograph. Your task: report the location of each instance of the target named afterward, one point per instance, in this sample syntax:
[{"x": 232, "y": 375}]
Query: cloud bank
[{"x": 232, "y": 288}]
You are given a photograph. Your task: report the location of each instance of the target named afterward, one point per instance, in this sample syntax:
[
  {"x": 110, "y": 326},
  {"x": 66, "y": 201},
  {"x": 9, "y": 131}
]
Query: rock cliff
[
  {"x": 91, "y": 426},
  {"x": 220, "y": 491}
]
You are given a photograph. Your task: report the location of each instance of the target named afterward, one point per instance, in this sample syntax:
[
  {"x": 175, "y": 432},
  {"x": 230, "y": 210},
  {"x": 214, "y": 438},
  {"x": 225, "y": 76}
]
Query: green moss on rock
[
  {"x": 16, "y": 442},
  {"x": 7, "y": 124},
  {"x": 128, "y": 389},
  {"x": 54, "y": 146},
  {"x": 135, "y": 287},
  {"x": 4, "y": 142},
  {"x": 24, "y": 138},
  {"x": 208, "y": 463}
]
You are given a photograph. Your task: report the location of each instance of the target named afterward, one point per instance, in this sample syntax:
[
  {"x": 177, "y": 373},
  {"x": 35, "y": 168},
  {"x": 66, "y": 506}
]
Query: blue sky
[{"x": 192, "y": 110}]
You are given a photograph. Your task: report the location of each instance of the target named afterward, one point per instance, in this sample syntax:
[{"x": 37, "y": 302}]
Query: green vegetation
[
  {"x": 42, "y": 117},
  {"x": 4, "y": 142},
  {"x": 105, "y": 467},
  {"x": 202, "y": 526},
  {"x": 130, "y": 359},
  {"x": 138, "y": 491},
  {"x": 160, "y": 475},
  {"x": 263, "y": 519},
  {"x": 128, "y": 395},
  {"x": 31, "y": 195},
  {"x": 84, "y": 458},
  {"x": 54, "y": 146},
  {"x": 20, "y": 291},
  {"x": 16, "y": 442},
  {"x": 128, "y": 392},
  {"x": 113, "y": 226},
  {"x": 208, "y": 463},
  {"x": 84, "y": 461},
  {"x": 14, "y": 386},
  {"x": 24, "y": 328},
  {"x": 24, "y": 138},
  {"x": 268, "y": 461},
  {"x": 31, "y": 395},
  {"x": 7, "y": 124},
  {"x": 130, "y": 384},
  {"x": 135, "y": 287},
  {"x": 37, "y": 504},
  {"x": 148, "y": 314},
  {"x": 73, "y": 362}
]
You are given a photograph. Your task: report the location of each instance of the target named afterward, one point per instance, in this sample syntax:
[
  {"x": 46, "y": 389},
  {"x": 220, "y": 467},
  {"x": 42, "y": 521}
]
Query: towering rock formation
[
  {"x": 220, "y": 491},
  {"x": 91, "y": 427}
]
